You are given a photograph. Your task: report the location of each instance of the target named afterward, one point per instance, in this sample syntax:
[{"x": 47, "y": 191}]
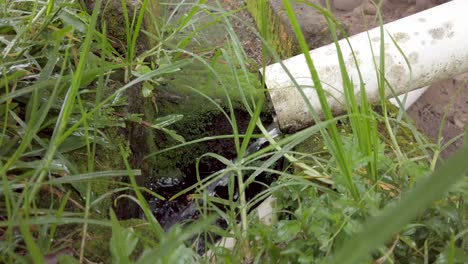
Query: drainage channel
[{"x": 181, "y": 209}]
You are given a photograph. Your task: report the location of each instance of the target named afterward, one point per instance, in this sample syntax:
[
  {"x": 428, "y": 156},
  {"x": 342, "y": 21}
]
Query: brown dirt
[
  {"x": 428, "y": 112},
  {"x": 430, "y": 109}
]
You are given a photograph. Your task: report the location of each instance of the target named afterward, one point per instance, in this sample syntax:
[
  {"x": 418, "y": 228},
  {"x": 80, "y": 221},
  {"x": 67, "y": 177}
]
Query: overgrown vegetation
[{"x": 360, "y": 197}]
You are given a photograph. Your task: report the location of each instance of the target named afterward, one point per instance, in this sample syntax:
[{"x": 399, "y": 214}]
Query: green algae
[
  {"x": 279, "y": 33},
  {"x": 107, "y": 158},
  {"x": 196, "y": 92},
  {"x": 315, "y": 146},
  {"x": 199, "y": 94}
]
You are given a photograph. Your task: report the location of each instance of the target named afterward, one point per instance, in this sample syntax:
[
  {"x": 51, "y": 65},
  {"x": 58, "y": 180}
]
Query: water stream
[{"x": 172, "y": 212}]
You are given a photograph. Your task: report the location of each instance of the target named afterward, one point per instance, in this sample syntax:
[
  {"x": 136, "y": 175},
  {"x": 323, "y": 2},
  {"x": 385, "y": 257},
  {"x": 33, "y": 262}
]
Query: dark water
[{"x": 184, "y": 209}]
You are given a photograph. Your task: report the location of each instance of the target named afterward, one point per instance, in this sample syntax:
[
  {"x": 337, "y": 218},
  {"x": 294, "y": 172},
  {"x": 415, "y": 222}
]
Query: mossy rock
[{"x": 199, "y": 94}]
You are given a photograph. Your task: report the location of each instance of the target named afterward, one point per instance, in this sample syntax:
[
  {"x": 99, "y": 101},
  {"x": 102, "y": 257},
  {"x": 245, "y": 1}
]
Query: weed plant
[{"x": 354, "y": 195}]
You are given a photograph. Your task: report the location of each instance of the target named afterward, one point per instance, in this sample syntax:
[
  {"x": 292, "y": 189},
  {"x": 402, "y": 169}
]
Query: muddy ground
[{"x": 429, "y": 111}]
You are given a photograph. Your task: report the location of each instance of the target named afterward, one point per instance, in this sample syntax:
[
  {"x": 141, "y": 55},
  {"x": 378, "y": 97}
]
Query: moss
[
  {"x": 279, "y": 33},
  {"x": 176, "y": 95},
  {"x": 107, "y": 158},
  {"x": 218, "y": 85},
  {"x": 201, "y": 116},
  {"x": 405, "y": 138},
  {"x": 115, "y": 24},
  {"x": 98, "y": 243}
]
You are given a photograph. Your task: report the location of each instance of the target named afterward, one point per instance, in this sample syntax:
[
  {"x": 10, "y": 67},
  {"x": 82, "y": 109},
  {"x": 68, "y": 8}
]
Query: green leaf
[
  {"x": 458, "y": 255},
  {"x": 172, "y": 248},
  {"x": 80, "y": 139},
  {"x": 394, "y": 217},
  {"x": 56, "y": 166},
  {"x": 130, "y": 240},
  {"x": 123, "y": 241},
  {"x": 31, "y": 245},
  {"x": 173, "y": 135},
  {"x": 11, "y": 78},
  {"x": 147, "y": 89},
  {"x": 11, "y": 106},
  {"x": 134, "y": 118},
  {"x": 166, "y": 120},
  {"x": 60, "y": 33},
  {"x": 143, "y": 69},
  {"x": 162, "y": 122},
  {"x": 70, "y": 19},
  {"x": 288, "y": 230},
  {"x": 6, "y": 28}
]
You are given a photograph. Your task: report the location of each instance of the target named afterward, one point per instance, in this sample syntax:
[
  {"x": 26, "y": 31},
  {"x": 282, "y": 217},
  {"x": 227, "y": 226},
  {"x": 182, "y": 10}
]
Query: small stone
[
  {"x": 459, "y": 123},
  {"x": 369, "y": 9},
  {"x": 346, "y": 5}
]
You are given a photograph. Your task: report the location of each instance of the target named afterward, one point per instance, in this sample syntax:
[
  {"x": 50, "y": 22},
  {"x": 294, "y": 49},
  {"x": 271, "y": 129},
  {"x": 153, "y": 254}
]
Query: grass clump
[{"x": 347, "y": 190}]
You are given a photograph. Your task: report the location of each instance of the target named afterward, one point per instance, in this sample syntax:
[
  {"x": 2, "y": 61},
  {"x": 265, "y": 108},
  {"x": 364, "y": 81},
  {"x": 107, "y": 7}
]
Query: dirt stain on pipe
[
  {"x": 396, "y": 74},
  {"x": 413, "y": 57},
  {"x": 401, "y": 37},
  {"x": 445, "y": 31},
  {"x": 353, "y": 60}
]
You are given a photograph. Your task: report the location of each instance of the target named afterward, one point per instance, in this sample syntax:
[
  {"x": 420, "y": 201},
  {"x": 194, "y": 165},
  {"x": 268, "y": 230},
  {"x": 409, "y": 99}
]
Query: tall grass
[
  {"x": 364, "y": 129},
  {"x": 52, "y": 95},
  {"x": 336, "y": 201}
]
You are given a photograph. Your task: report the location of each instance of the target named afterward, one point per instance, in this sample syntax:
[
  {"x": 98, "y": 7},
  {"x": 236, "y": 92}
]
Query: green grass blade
[
  {"x": 250, "y": 129},
  {"x": 69, "y": 103},
  {"x": 117, "y": 243},
  {"x": 392, "y": 219},
  {"x": 60, "y": 210},
  {"x": 33, "y": 248},
  {"x": 58, "y": 220},
  {"x": 136, "y": 29},
  {"x": 335, "y": 146},
  {"x": 145, "y": 206}
]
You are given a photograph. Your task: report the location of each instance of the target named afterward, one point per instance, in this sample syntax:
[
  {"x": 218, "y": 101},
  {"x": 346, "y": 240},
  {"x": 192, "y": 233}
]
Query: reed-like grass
[{"x": 351, "y": 198}]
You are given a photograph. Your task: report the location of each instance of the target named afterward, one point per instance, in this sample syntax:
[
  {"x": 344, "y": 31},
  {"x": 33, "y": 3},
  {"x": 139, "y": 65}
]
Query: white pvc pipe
[
  {"x": 434, "y": 41},
  {"x": 408, "y": 99}
]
